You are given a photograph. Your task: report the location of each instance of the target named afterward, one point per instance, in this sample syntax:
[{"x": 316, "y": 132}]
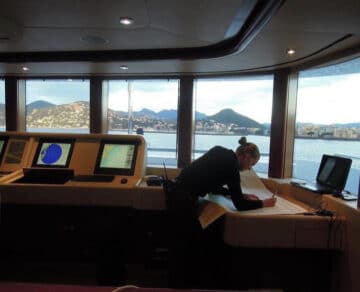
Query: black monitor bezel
[
  {"x": 53, "y": 140},
  {"x": 116, "y": 171},
  {"x": 338, "y": 159},
  {"x": 2, "y": 151}
]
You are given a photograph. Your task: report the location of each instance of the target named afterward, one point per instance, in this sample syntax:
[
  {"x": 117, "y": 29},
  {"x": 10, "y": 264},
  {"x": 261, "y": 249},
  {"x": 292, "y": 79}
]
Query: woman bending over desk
[
  {"x": 192, "y": 245},
  {"x": 219, "y": 167}
]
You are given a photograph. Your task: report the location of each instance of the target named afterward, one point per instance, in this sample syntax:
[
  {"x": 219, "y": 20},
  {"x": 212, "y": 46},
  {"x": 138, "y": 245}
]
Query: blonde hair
[{"x": 247, "y": 147}]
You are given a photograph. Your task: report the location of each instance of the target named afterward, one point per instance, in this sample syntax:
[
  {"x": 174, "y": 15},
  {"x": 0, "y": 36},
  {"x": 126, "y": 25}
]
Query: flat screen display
[
  {"x": 116, "y": 157},
  {"x": 327, "y": 168},
  {"x": 333, "y": 171},
  {"x": 53, "y": 153},
  {"x": 3, "y": 142},
  {"x": 15, "y": 152}
]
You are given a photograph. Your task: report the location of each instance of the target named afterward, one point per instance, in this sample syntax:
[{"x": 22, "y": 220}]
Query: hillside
[
  {"x": 39, "y": 104},
  {"x": 229, "y": 116},
  {"x": 42, "y": 114},
  {"x": 76, "y": 115},
  {"x": 72, "y": 115}
]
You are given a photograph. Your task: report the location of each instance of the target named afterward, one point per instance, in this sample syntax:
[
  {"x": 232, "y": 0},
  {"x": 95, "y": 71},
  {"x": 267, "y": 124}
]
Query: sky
[
  {"x": 325, "y": 99},
  {"x": 250, "y": 98},
  {"x": 329, "y": 99},
  {"x": 57, "y": 91},
  {"x": 153, "y": 95}
]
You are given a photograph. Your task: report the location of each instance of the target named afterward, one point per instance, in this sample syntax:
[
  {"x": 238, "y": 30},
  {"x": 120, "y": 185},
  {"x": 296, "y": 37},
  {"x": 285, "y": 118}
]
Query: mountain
[
  {"x": 349, "y": 125},
  {"x": 337, "y": 125},
  {"x": 167, "y": 114},
  {"x": 266, "y": 126},
  {"x": 229, "y": 116},
  {"x": 172, "y": 115},
  {"x": 42, "y": 114},
  {"x": 38, "y": 105},
  {"x": 145, "y": 112},
  {"x": 162, "y": 115},
  {"x": 200, "y": 116},
  {"x": 117, "y": 113},
  {"x": 76, "y": 114},
  {"x": 71, "y": 115}
]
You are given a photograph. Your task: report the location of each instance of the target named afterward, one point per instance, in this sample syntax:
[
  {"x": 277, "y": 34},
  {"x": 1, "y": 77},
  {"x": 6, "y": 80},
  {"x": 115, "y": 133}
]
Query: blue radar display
[{"x": 51, "y": 154}]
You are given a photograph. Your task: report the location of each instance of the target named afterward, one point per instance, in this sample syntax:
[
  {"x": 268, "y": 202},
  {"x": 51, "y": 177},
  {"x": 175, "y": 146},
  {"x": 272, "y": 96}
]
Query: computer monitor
[
  {"x": 116, "y": 157},
  {"x": 53, "y": 153},
  {"x": 15, "y": 151},
  {"x": 3, "y": 142},
  {"x": 333, "y": 171}
]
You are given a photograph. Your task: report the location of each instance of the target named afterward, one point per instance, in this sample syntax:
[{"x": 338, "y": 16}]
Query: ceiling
[{"x": 171, "y": 37}]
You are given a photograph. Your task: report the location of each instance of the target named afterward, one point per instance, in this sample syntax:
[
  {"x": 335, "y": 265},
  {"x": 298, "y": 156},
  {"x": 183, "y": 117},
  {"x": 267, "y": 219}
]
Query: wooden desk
[
  {"x": 284, "y": 231},
  {"x": 78, "y": 218}
]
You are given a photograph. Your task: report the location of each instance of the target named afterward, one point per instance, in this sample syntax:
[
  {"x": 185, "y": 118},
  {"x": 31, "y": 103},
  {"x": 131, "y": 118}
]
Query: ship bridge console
[{"x": 92, "y": 191}]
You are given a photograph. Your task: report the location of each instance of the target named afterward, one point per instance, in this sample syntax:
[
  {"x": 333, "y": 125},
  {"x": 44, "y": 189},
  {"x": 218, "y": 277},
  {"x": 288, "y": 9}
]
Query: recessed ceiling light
[
  {"x": 24, "y": 68},
  {"x": 124, "y": 67},
  {"x": 290, "y": 52},
  {"x": 126, "y": 21}
]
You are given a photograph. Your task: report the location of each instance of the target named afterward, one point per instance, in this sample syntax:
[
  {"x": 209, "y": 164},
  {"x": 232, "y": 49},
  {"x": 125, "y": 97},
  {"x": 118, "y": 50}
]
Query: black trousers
[{"x": 195, "y": 253}]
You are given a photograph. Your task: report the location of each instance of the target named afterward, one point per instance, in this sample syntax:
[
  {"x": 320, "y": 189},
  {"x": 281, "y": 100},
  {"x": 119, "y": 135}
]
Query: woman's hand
[
  {"x": 269, "y": 202},
  {"x": 252, "y": 197}
]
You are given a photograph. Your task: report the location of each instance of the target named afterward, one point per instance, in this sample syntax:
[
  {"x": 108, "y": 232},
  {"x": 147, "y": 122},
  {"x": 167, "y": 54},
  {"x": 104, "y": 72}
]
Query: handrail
[{"x": 195, "y": 151}]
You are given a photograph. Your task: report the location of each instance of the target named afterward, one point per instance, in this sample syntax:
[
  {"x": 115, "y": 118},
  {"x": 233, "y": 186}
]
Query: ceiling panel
[{"x": 313, "y": 28}]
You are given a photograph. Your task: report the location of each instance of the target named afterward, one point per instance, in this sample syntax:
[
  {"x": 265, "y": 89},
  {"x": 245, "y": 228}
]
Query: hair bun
[{"x": 242, "y": 141}]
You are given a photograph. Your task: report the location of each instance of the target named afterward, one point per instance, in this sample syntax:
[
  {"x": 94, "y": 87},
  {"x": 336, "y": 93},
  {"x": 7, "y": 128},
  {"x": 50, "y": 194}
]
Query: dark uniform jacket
[{"x": 209, "y": 173}]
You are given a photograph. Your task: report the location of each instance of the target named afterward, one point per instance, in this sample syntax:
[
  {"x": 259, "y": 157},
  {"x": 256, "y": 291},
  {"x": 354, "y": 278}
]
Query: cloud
[
  {"x": 166, "y": 98},
  {"x": 57, "y": 91},
  {"x": 330, "y": 100},
  {"x": 252, "y": 98}
]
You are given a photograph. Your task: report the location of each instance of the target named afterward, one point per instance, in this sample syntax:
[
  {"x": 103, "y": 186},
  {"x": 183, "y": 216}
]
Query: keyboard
[
  {"x": 93, "y": 178},
  {"x": 46, "y": 176},
  {"x": 45, "y": 180}
]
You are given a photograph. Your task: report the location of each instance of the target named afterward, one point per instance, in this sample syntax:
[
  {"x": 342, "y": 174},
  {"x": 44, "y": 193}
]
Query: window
[
  {"x": 228, "y": 108},
  {"x": 328, "y": 120},
  {"x": 2, "y": 105},
  {"x": 149, "y": 108},
  {"x": 57, "y": 106}
]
